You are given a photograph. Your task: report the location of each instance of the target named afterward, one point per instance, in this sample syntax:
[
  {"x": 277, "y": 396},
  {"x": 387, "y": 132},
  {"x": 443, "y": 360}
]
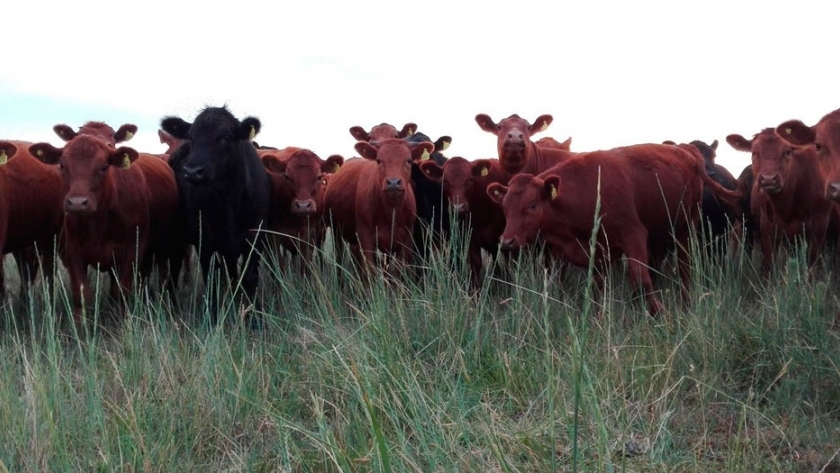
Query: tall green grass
[{"x": 421, "y": 373}]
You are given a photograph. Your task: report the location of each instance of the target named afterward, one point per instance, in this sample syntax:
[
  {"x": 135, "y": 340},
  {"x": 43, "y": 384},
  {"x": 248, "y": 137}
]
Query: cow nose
[
  {"x": 773, "y": 181},
  {"x": 834, "y": 190},
  {"x": 508, "y": 244},
  {"x": 195, "y": 174},
  {"x": 303, "y": 207},
  {"x": 514, "y": 138},
  {"x": 76, "y": 204},
  {"x": 459, "y": 207},
  {"x": 393, "y": 184}
]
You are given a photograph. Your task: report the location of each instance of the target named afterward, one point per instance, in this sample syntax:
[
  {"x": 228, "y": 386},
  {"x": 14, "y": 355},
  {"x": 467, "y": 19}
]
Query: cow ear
[
  {"x": 407, "y": 130},
  {"x": 125, "y": 133},
  {"x": 739, "y": 142},
  {"x": 796, "y": 133},
  {"x": 332, "y": 164},
  {"x": 176, "y": 127},
  {"x": 442, "y": 143},
  {"x": 249, "y": 128},
  {"x": 359, "y": 133},
  {"x": 669, "y": 142},
  {"x": 551, "y": 185},
  {"x": 431, "y": 170},
  {"x": 7, "y": 150},
  {"x": 273, "y": 163},
  {"x": 540, "y": 124},
  {"x": 122, "y": 157},
  {"x": 481, "y": 167},
  {"x": 486, "y": 123},
  {"x": 567, "y": 145},
  {"x": 64, "y": 132},
  {"x": 366, "y": 150},
  {"x": 422, "y": 151},
  {"x": 496, "y": 192},
  {"x": 46, "y": 153},
  {"x": 714, "y": 145}
]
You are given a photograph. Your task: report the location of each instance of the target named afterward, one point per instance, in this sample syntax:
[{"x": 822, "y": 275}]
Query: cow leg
[
  {"x": 212, "y": 282},
  {"x": 79, "y": 287},
  {"x": 636, "y": 252}
]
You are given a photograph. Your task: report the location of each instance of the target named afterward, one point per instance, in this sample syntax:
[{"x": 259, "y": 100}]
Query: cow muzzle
[
  {"x": 770, "y": 183},
  {"x": 303, "y": 207},
  {"x": 79, "y": 205},
  {"x": 394, "y": 186},
  {"x": 460, "y": 208},
  {"x": 195, "y": 175},
  {"x": 508, "y": 244}
]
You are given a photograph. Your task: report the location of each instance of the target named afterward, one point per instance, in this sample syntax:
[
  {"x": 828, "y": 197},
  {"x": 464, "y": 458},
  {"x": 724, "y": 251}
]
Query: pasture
[{"x": 536, "y": 372}]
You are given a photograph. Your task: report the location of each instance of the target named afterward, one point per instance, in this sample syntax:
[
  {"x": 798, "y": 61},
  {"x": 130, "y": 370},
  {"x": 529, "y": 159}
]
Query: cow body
[
  {"x": 224, "y": 191},
  {"x": 648, "y": 200},
  {"x": 517, "y": 153}
]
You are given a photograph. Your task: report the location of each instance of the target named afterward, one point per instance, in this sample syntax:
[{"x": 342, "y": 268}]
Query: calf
[
  {"x": 465, "y": 186},
  {"x": 224, "y": 191},
  {"x": 370, "y": 203},
  {"x": 789, "y": 193},
  {"x": 517, "y": 153},
  {"x": 110, "y": 198},
  {"x": 649, "y": 195}
]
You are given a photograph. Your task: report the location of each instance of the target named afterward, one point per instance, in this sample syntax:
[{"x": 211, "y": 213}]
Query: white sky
[{"x": 611, "y": 73}]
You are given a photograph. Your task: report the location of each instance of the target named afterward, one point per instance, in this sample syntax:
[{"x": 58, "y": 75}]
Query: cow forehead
[
  {"x": 303, "y": 164},
  {"x": 457, "y": 169},
  {"x": 383, "y": 131},
  {"x": 85, "y": 148},
  {"x": 523, "y": 186},
  {"x": 514, "y": 121},
  {"x": 213, "y": 122},
  {"x": 767, "y": 143}
]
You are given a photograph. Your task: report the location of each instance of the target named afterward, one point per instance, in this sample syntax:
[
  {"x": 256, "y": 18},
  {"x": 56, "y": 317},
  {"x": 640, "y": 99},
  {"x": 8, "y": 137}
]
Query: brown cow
[
  {"x": 788, "y": 196},
  {"x": 517, "y": 153},
  {"x": 383, "y": 131},
  {"x": 171, "y": 143},
  {"x": 298, "y": 184},
  {"x": 100, "y": 129},
  {"x": 111, "y": 198},
  {"x": 465, "y": 186},
  {"x": 549, "y": 142},
  {"x": 369, "y": 202},
  {"x": 649, "y": 198},
  {"x": 825, "y": 138},
  {"x": 30, "y": 211}
]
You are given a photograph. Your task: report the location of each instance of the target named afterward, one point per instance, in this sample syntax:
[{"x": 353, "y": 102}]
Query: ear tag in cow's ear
[
  {"x": 253, "y": 133},
  {"x": 3, "y": 157},
  {"x": 553, "y": 192},
  {"x": 40, "y": 153},
  {"x": 497, "y": 192},
  {"x": 788, "y": 131},
  {"x": 485, "y": 172},
  {"x": 410, "y": 132},
  {"x": 445, "y": 145},
  {"x": 545, "y": 125},
  {"x": 425, "y": 155},
  {"x": 126, "y": 161},
  {"x": 128, "y": 135},
  {"x": 336, "y": 167}
]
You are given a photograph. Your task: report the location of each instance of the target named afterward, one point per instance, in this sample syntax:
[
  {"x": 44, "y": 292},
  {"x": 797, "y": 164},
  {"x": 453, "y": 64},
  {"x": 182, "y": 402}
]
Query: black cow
[
  {"x": 224, "y": 191},
  {"x": 432, "y": 211},
  {"x": 717, "y": 219},
  {"x": 749, "y": 221}
]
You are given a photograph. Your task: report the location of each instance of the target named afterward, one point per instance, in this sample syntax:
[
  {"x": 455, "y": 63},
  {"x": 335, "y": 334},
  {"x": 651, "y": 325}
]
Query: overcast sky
[{"x": 611, "y": 73}]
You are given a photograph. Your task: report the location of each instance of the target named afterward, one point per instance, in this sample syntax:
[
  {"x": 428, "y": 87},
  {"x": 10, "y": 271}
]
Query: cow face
[
  {"x": 524, "y": 202},
  {"x": 458, "y": 178},
  {"x": 513, "y": 136},
  {"x": 98, "y": 129},
  {"x": 382, "y": 132},
  {"x": 771, "y": 158},
  {"x": 394, "y": 158},
  {"x": 216, "y": 139},
  {"x": 85, "y": 165},
  {"x": 304, "y": 179},
  {"x": 825, "y": 138}
]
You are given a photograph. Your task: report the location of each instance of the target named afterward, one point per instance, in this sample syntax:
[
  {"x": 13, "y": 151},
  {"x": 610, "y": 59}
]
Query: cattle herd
[{"x": 98, "y": 204}]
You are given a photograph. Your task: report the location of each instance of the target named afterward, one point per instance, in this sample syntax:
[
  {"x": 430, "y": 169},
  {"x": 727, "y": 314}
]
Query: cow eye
[
  {"x": 104, "y": 168},
  {"x": 225, "y": 139},
  {"x": 60, "y": 166},
  {"x": 818, "y": 147},
  {"x": 533, "y": 207}
]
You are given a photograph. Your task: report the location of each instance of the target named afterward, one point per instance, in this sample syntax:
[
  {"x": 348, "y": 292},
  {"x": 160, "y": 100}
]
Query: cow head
[
  {"x": 170, "y": 141},
  {"x": 7, "y": 152},
  {"x": 394, "y": 158},
  {"x": 825, "y": 138},
  {"x": 99, "y": 129},
  {"x": 525, "y": 203},
  {"x": 383, "y": 131},
  {"x": 216, "y": 138},
  {"x": 458, "y": 177},
  {"x": 513, "y": 138},
  {"x": 709, "y": 152},
  {"x": 549, "y": 142},
  {"x": 303, "y": 178},
  {"x": 772, "y": 157},
  {"x": 86, "y": 164}
]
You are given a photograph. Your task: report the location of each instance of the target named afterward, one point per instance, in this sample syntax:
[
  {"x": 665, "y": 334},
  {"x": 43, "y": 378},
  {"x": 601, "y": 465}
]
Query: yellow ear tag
[
  {"x": 484, "y": 172},
  {"x": 40, "y": 153},
  {"x": 126, "y": 161},
  {"x": 410, "y": 132},
  {"x": 545, "y": 125},
  {"x": 788, "y": 131},
  {"x": 497, "y": 192},
  {"x": 253, "y": 133},
  {"x": 336, "y": 167},
  {"x": 128, "y": 135},
  {"x": 3, "y": 157},
  {"x": 553, "y": 192},
  {"x": 425, "y": 155},
  {"x": 445, "y": 145}
]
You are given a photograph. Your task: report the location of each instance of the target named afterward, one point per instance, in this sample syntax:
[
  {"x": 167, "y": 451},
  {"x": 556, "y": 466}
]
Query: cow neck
[
  {"x": 806, "y": 185},
  {"x": 92, "y": 228}
]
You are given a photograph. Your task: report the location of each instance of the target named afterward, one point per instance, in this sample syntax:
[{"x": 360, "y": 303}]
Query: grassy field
[{"x": 536, "y": 373}]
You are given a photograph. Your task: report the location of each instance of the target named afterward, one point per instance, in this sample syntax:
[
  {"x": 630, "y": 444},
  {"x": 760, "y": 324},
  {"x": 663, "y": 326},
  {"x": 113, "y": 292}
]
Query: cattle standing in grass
[
  {"x": 465, "y": 186},
  {"x": 369, "y": 202},
  {"x": 31, "y": 211},
  {"x": 298, "y": 184},
  {"x": 432, "y": 213},
  {"x": 224, "y": 190},
  {"x": 517, "y": 153},
  {"x": 789, "y": 193},
  {"x": 649, "y": 195},
  {"x": 110, "y": 199},
  {"x": 825, "y": 138}
]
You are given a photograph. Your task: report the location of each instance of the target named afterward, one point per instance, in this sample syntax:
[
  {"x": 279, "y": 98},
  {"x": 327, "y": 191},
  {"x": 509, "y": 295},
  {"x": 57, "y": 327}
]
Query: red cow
[
  {"x": 369, "y": 202},
  {"x": 517, "y": 153},
  {"x": 383, "y": 131},
  {"x": 30, "y": 211},
  {"x": 649, "y": 200},
  {"x": 298, "y": 184},
  {"x": 117, "y": 205},
  {"x": 825, "y": 137},
  {"x": 465, "y": 186},
  {"x": 170, "y": 141},
  {"x": 788, "y": 196},
  {"x": 549, "y": 142},
  {"x": 100, "y": 129}
]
